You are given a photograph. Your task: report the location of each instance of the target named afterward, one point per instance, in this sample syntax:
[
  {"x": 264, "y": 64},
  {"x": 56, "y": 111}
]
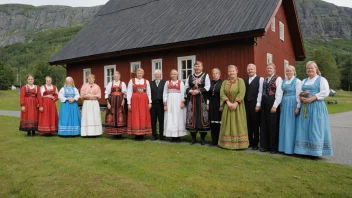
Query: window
[
  {"x": 282, "y": 31},
  {"x": 86, "y": 72},
  {"x": 273, "y": 25},
  {"x": 157, "y": 64},
  {"x": 286, "y": 63},
  {"x": 109, "y": 74},
  {"x": 185, "y": 66},
  {"x": 134, "y": 67},
  {"x": 269, "y": 58}
]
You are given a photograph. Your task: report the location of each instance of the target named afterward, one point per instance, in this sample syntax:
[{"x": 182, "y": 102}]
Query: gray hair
[
  {"x": 252, "y": 65},
  {"x": 216, "y": 70},
  {"x": 157, "y": 71},
  {"x": 173, "y": 70},
  {"x": 69, "y": 78},
  {"x": 232, "y": 66}
]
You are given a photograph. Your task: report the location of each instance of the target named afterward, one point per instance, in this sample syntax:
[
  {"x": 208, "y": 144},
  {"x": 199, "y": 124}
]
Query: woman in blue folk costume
[
  {"x": 69, "y": 117},
  {"x": 289, "y": 110},
  {"x": 313, "y": 135}
]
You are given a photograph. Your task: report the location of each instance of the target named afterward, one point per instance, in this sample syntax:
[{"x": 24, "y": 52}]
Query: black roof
[{"x": 131, "y": 24}]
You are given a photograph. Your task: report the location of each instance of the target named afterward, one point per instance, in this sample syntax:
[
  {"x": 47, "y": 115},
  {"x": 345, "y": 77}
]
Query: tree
[
  {"x": 327, "y": 66},
  {"x": 6, "y": 77},
  {"x": 346, "y": 74}
]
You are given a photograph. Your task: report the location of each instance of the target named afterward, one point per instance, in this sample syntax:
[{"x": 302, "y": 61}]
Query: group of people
[{"x": 278, "y": 115}]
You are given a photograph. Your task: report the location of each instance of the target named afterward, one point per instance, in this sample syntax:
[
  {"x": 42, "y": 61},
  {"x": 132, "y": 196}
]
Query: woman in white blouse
[
  {"x": 269, "y": 126},
  {"x": 174, "y": 103},
  {"x": 69, "y": 117},
  {"x": 313, "y": 136},
  {"x": 289, "y": 110},
  {"x": 115, "y": 119},
  {"x": 139, "y": 103},
  {"x": 48, "y": 118}
]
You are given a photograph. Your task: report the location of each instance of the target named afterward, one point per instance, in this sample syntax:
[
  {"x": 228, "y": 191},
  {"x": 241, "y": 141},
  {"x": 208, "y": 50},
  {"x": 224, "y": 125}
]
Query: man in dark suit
[
  {"x": 157, "y": 110},
  {"x": 253, "y": 99}
]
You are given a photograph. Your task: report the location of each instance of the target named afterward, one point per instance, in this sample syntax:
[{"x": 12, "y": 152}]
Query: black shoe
[
  {"x": 255, "y": 148},
  {"x": 212, "y": 145},
  {"x": 154, "y": 138},
  {"x": 161, "y": 137},
  {"x": 202, "y": 142},
  {"x": 249, "y": 146},
  {"x": 33, "y": 133},
  {"x": 28, "y": 134},
  {"x": 273, "y": 151},
  {"x": 178, "y": 140},
  {"x": 193, "y": 141},
  {"x": 263, "y": 150},
  {"x": 172, "y": 140},
  {"x": 314, "y": 157}
]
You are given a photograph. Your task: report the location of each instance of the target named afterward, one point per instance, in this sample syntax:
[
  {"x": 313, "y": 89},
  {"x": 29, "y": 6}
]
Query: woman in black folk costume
[
  {"x": 214, "y": 108},
  {"x": 197, "y": 119}
]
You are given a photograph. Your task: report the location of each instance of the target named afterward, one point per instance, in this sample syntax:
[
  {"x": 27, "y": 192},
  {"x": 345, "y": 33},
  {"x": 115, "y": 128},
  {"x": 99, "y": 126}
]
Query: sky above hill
[{"x": 89, "y": 3}]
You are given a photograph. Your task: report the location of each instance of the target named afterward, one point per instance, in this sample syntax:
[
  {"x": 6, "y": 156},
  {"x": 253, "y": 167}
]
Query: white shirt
[
  {"x": 206, "y": 86},
  {"x": 138, "y": 82},
  {"x": 42, "y": 89},
  {"x": 279, "y": 92},
  {"x": 108, "y": 88},
  {"x": 62, "y": 95},
  {"x": 298, "y": 89},
  {"x": 166, "y": 90},
  {"x": 324, "y": 87},
  {"x": 260, "y": 92}
]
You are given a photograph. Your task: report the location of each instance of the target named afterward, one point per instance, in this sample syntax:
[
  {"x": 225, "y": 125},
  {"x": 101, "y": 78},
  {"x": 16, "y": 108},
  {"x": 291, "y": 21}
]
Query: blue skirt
[
  {"x": 313, "y": 135},
  {"x": 69, "y": 119},
  {"x": 287, "y": 130}
]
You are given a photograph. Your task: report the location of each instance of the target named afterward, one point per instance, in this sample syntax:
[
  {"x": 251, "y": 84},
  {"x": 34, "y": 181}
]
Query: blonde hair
[
  {"x": 48, "y": 77},
  {"x": 291, "y": 68},
  {"x": 29, "y": 75},
  {"x": 216, "y": 70},
  {"x": 91, "y": 75},
  {"x": 315, "y": 65},
  {"x": 69, "y": 78},
  {"x": 232, "y": 66},
  {"x": 117, "y": 72},
  {"x": 140, "y": 69},
  {"x": 173, "y": 70}
]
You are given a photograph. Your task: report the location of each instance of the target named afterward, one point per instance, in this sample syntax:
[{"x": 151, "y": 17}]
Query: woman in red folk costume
[
  {"x": 30, "y": 101},
  {"x": 139, "y": 103},
  {"x": 115, "y": 119},
  {"x": 48, "y": 118}
]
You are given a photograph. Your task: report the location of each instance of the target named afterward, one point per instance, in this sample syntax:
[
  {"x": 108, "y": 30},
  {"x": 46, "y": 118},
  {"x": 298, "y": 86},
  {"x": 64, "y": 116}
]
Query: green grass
[
  {"x": 102, "y": 167},
  {"x": 344, "y": 99}
]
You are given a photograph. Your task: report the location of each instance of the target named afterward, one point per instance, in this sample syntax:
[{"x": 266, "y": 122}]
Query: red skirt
[
  {"x": 139, "y": 118},
  {"x": 48, "y": 119},
  {"x": 29, "y": 118}
]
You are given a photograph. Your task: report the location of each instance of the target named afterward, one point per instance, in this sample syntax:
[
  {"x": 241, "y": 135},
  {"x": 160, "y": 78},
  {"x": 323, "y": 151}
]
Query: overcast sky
[{"x": 88, "y": 3}]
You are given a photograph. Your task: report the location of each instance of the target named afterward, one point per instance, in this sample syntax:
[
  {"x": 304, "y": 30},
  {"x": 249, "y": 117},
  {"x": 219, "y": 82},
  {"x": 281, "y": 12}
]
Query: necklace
[{"x": 215, "y": 87}]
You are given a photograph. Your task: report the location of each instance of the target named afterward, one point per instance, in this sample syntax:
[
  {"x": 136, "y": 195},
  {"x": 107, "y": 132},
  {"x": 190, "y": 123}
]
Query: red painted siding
[
  {"x": 271, "y": 43},
  {"x": 219, "y": 55}
]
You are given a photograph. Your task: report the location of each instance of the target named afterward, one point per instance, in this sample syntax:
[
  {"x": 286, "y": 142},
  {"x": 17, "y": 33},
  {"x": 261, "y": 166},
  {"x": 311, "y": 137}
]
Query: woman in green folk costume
[{"x": 233, "y": 131}]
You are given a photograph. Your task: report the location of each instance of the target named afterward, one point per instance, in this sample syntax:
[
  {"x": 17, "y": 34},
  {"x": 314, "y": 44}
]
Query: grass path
[{"x": 102, "y": 167}]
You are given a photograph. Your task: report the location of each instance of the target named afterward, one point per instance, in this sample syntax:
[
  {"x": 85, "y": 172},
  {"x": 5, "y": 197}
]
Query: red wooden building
[{"x": 173, "y": 34}]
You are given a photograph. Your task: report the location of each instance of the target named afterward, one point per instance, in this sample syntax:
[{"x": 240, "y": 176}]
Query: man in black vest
[
  {"x": 253, "y": 99},
  {"x": 157, "y": 110}
]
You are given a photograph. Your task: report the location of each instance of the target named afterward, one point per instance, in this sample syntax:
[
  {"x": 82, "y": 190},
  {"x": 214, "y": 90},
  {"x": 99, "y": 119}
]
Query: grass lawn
[
  {"x": 10, "y": 101},
  {"x": 102, "y": 167}
]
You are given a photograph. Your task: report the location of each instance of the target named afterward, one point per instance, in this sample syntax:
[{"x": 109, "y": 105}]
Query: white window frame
[
  {"x": 286, "y": 64},
  {"x": 85, "y": 77},
  {"x": 105, "y": 73},
  {"x": 273, "y": 25},
  {"x": 269, "y": 58},
  {"x": 135, "y": 63},
  {"x": 154, "y": 61},
  {"x": 282, "y": 31},
  {"x": 179, "y": 65}
]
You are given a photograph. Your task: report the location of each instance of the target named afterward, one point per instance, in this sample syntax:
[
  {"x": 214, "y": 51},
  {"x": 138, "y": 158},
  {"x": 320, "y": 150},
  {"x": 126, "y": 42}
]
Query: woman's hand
[
  {"x": 129, "y": 107},
  {"x": 123, "y": 102},
  {"x": 182, "y": 105},
  {"x": 273, "y": 110},
  {"x": 165, "y": 108},
  {"x": 149, "y": 106},
  {"x": 109, "y": 106},
  {"x": 309, "y": 100},
  {"x": 297, "y": 111},
  {"x": 41, "y": 109},
  {"x": 23, "y": 109}
]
